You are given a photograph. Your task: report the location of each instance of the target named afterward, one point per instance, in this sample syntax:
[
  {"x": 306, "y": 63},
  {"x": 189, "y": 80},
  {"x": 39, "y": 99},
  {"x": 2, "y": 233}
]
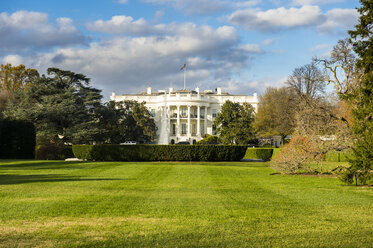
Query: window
[
  {"x": 152, "y": 112},
  {"x": 183, "y": 128},
  {"x": 202, "y": 131},
  {"x": 202, "y": 113},
  {"x": 214, "y": 113},
  {"x": 213, "y": 130},
  {"x": 173, "y": 129},
  {"x": 183, "y": 112}
]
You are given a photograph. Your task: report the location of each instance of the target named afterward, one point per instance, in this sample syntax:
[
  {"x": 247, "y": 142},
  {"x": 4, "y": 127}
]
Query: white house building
[{"x": 185, "y": 115}]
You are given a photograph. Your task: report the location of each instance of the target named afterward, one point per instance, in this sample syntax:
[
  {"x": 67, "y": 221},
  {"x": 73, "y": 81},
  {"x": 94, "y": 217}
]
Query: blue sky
[{"x": 243, "y": 46}]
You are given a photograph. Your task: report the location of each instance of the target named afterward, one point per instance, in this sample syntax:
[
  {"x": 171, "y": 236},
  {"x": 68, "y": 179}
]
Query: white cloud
[
  {"x": 24, "y": 30},
  {"x": 310, "y": 2},
  {"x": 268, "y": 42},
  {"x": 339, "y": 18},
  {"x": 124, "y": 25},
  {"x": 127, "y": 25},
  {"x": 13, "y": 59},
  {"x": 318, "y": 47},
  {"x": 274, "y": 19},
  {"x": 252, "y": 48},
  {"x": 306, "y": 16},
  {"x": 122, "y": 1},
  {"x": 129, "y": 64},
  {"x": 205, "y": 7}
]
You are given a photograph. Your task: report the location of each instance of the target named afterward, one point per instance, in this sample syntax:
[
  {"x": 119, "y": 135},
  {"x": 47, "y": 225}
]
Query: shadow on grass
[
  {"x": 21, "y": 179},
  {"x": 38, "y": 165}
]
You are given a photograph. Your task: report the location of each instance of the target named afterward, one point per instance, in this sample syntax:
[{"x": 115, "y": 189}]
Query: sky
[{"x": 124, "y": 46}]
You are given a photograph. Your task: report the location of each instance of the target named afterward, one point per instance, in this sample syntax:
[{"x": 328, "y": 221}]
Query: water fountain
[{"x": 163, "y": 132}]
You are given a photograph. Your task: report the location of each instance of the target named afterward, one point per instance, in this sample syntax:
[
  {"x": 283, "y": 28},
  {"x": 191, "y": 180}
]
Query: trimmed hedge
[
  {"x": 159, "y": 152},
  {"x": 259, "y": 153},
  {"x": 17, "y": 139},
  {"x": 53, "y": 152},
  {"x": 337, "y": 156}
]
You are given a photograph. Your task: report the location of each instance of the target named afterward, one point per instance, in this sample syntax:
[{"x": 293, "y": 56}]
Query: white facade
[{"x": 185, "y": 115}]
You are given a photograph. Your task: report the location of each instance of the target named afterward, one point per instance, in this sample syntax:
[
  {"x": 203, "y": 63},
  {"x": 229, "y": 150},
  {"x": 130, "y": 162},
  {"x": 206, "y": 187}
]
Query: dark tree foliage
[
  {"x": 17, "y": 139},
  {"x": 62, "y": 106},
  {"x": 362, "y": 98},
  {"x": 234, "y": 123},
  {"x": 127, "y": 121}
]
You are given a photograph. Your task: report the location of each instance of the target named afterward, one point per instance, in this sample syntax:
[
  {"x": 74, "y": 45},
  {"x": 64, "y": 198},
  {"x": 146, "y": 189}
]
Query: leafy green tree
[
  {"x": 361, "y": 98},
  {"x": 234, "y": 123},
  {"x": 13, "y": 78},
  {"x": 275, "y": 114},
  {"x": 127, "y": 121},
  {"x": 63, "y": 107}
]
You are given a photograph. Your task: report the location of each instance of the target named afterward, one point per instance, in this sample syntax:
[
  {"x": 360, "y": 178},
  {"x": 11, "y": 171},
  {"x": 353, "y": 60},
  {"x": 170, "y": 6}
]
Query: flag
[{"x": 183, "y": 67}]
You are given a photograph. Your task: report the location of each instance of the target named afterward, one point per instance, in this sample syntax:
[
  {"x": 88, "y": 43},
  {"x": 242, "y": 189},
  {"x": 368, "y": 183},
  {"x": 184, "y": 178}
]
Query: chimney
[
  {"x": 197, "y": 90},
  {"x": 112, "y": 97},
  {"x": 149, "y": 90},
  {"x": 170, "y": 90},
  {"x": 218, "y": 90}
]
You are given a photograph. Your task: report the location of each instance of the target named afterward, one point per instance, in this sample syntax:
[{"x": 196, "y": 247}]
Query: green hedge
[
  {"x": 337, "y": 156},
  {"x": 159, "y": 152},
  {"x": 259, "y": 153},
  {"x": 17, "y": 139},
  {"x": 53, "y": 152}
]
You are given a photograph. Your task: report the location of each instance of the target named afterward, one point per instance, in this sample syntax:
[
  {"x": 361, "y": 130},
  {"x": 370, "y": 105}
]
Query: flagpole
[{"x": 185, "y": 76}]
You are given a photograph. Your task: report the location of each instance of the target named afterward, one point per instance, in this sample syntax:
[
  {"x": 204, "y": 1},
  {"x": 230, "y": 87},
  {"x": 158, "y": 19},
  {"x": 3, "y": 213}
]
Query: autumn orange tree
[{"x": 13, "y": 78}]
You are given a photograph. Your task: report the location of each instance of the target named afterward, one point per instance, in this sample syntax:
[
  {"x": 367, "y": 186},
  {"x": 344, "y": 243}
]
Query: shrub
[
  {"x": 259, "y": 153},
  {"x": 17, "y": 139},
  {"x": 53, "y": 152},
  {"x": 209, "y": 140},
  {"x": 159, "y": 152},
  {"x": 296, "y": 156}
]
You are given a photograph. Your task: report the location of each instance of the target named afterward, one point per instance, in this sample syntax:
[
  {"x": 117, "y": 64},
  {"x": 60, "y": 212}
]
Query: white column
[
  {"x": 198, "y": 120},
  {"x": 178, "y": 121},
  {"x": 205, "y": 126},
  {"x": 188, "y": 121}
]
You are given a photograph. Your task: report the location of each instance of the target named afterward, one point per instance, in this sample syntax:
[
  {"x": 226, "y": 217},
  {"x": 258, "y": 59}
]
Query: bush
[
  {"x": 17, "y": 139},
  {"x": 53, "y": 152},
  {"x": 259, "y": 153},
  {"x": 209, "y": 140},
  {"x": 159, "y": 152},
  {"x": 296, "y": 156}
]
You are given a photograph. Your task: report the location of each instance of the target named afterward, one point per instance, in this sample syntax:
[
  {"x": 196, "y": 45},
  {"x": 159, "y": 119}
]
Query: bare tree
[
  {"x": 340, "y": 69},
  {"x": 307, "y": 81}
]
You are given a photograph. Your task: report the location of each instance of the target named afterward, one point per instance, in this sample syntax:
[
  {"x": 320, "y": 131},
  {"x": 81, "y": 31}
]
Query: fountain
[{"x": 163, "y": 132}]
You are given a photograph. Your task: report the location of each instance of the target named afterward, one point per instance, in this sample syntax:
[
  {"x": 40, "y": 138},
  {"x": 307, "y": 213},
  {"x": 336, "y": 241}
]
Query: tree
[
  {"x": 361, "y": 98},
  {"x": 16, "y": 77},
  {"x": 13, "y": 78},
  {"x": 275, "y": 114},
  {"x": 127, "y": 120},
  {"x": 234, "y": 123},
  {"x": 63, "y": 107},
  {"x": 307, "y": 81},
  {"x": 339, "y": 69}
]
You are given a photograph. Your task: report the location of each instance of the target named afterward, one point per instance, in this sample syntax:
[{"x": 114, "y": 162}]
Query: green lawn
[{"x": 226, "y": 204}]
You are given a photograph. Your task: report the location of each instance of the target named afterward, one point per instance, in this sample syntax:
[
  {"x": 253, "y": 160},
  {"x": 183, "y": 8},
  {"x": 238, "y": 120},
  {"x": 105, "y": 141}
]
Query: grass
[{"x": 225, "y": 204}]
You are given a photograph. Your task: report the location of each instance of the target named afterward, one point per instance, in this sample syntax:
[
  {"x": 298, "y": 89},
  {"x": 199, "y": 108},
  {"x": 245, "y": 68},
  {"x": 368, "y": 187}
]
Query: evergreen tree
[
  {"x": 361, "y": 98},
  {"x": 63, "y": 107}
]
